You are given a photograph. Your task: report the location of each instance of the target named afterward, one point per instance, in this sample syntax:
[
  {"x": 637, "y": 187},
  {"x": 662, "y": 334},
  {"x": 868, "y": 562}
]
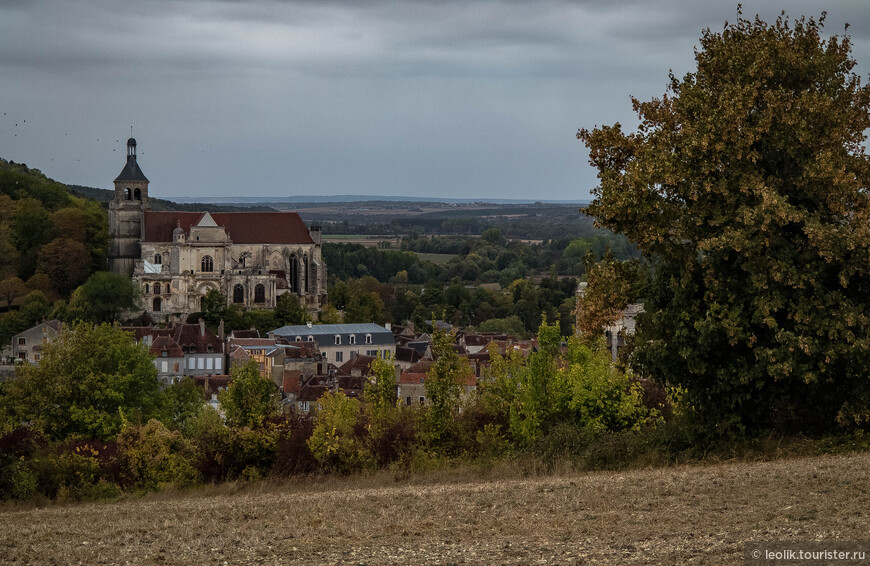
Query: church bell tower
[{"x": 126, "y": 214}]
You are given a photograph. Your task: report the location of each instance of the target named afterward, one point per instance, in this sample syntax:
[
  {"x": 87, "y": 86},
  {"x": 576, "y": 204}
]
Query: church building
[{"x": 176, "y": 257}]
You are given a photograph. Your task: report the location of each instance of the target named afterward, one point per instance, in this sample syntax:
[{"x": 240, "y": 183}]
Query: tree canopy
[
  {"x": 746, "y": 187},
  {"x": 89, "y": 381}
]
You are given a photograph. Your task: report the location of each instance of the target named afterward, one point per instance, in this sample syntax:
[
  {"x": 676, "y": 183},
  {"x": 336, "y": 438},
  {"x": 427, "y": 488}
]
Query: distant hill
[{"x": 104, "y": 196}]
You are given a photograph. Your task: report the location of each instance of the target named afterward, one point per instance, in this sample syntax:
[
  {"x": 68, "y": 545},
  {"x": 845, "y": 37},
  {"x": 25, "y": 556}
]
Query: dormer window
[
  {"x": 164, "y": 353},
  {"x": 351, "y": 339},
  {"x": 338, "y": 339},
  {"x": 299, "y": 338},
  {"x": 311, "y": 338},
  {"x": 368, "y": 338}
]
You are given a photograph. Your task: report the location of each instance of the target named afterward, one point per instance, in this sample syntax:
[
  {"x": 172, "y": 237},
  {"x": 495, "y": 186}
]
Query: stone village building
[{"x": 176, "y": 257}]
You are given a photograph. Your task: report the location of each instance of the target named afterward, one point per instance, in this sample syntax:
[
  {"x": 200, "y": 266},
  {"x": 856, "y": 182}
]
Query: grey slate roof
[
  {"x": 325, "y": 333},
  {"x": 131, "y": 171}
]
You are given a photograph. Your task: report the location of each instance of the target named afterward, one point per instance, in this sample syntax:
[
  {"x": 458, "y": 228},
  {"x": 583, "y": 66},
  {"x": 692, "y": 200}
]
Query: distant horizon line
[{"x": 362, "y": 198}]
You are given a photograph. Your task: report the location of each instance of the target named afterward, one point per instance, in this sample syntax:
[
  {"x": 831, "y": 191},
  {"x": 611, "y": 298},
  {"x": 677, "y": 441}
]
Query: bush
[{"x": 153, "y": 457}]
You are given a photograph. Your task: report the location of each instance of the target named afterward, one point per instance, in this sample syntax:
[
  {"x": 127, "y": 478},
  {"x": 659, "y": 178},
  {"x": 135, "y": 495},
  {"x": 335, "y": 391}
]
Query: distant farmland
[{"x": 368, "y": 240}]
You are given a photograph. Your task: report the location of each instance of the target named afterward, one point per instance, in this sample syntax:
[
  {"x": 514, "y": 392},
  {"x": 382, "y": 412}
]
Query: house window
[
  {"x": 305, "y": 406},
  {"x": 407, "y": 400},
  {"x": 22, "y": 341},
  {"x": 217, "y": 364},
  {"x": 238, "y": 293},
  {"x": 372, "y": 353},
  {"x": 209, "y": 363},
  {"x": 191, "y": 363},
  {"x": 158, "y": 259},
  {"x": 147, "y": 288},
  {"x": 164, "y": 353},
  {"x": 338, "y": 339},
  {"x": 260, "y": 293},
  {"x": 35, "y": 357},
  {"x": 175, "y": 367},
  {"x": 351, "y": 339},
  {"x": 368, "y": 338},
  {"x": 164, "y": 367},
  {"x": 200, "y": 364},
  {"x": 339, "y": 356},
  {"x": 157, "y": 288},
  {"x": 157, "y": 304},
  {"x": 422, "y": 399},
  {"x": 207, "y": 265}
]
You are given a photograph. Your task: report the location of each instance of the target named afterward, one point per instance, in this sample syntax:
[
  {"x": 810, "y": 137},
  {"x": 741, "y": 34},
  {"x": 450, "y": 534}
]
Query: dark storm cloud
[{"x": 453, "y": 98}]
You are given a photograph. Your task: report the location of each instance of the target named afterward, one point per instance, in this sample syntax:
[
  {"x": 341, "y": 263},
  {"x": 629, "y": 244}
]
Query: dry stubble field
[{"x": 683, "y": 515}]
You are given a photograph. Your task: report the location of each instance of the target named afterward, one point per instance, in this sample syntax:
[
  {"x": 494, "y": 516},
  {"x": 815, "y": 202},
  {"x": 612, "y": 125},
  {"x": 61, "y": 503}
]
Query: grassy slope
[{"x": 682, "y": 515}]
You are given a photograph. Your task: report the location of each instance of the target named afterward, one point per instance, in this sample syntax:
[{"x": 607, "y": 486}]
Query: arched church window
[
  {"x": 137, "y": 194},
  {"x": 294, "y": 274},
  {"x": 127, "y": 193},
  {"x": 260, "y": 293},
  {"x": 207, "y": 264},
  {"x": 157, "y": 304},
  {"x": 305, "y": 265},
  {"x": 158, "y": 259},
  {"x": 239, "y": 293},
  {"x": 147, "y": 288},
  {"x": 157, "y": 288}
]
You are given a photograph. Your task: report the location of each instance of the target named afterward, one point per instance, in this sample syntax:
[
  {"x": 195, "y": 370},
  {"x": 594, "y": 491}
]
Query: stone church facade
[{"x": 176, "y": 257}]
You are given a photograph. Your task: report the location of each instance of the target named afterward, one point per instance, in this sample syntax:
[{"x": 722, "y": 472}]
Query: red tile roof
[
  {"x": 361, "y": 364},
  {"x": 173, "y": 350},
  {"x": 242, "y": 227}
]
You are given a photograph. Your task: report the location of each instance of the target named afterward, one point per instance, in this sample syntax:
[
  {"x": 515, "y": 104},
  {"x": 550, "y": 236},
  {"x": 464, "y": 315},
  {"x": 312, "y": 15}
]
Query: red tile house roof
[
  {"x": 173, "y": 350},
  {"x": 357, "y": 365},
  {"x": 242, "y": 227},
  {"x": 201, "y": 338}
]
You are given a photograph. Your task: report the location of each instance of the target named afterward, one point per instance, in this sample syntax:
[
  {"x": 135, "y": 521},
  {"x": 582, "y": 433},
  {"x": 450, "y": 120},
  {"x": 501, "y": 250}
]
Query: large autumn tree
[{"x": 746, "y": 186}]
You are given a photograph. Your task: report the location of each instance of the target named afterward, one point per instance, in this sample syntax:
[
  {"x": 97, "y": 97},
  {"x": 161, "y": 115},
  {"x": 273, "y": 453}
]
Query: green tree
[
  {"x": 90, "y": 380},
  {"x": 250, "y": 398},
  {"x": 746, "y": 187},
  {"x": 444, "y": 385},
  {"x": 214, "y": 306},
  {"x": 104, "y": 297},
  {"x": 334, "y": 442},
  {"x": 11, "y": 288},
  {"x": 289, "y": 310},
  {"x": 66, "y": 262}
]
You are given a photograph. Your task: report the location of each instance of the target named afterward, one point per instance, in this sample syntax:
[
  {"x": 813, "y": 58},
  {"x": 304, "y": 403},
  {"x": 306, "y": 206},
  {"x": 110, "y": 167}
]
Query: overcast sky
[{"x": 442, "y": 98}]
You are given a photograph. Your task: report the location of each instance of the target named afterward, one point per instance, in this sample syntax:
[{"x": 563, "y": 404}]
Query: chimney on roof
[
  {"x": 388, "y": 326},
  {"x": 201, "y": 327},
  {"x": 221, "y": 330},
  {"x": 309, "y": 324}
]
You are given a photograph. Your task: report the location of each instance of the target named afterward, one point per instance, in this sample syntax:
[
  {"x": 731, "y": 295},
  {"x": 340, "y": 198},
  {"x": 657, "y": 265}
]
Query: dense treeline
[
  {"x": 521, "y": 222},
  {"x": 105, "y": 426},
  {"x": 50, "y": 243}
]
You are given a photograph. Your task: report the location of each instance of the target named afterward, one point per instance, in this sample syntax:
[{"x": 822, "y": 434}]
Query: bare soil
[{"x": 682, "y": 515}]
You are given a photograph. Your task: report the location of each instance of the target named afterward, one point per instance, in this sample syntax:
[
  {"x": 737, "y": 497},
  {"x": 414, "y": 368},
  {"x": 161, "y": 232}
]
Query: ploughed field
[{"x": 683, "y": 515}]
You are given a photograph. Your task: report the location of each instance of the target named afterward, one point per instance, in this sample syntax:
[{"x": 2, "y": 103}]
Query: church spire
[{"x": 131, "y": 171}]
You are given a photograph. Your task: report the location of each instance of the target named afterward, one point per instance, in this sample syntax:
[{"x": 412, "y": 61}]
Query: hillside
[{"x": 683, "y": 515}]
